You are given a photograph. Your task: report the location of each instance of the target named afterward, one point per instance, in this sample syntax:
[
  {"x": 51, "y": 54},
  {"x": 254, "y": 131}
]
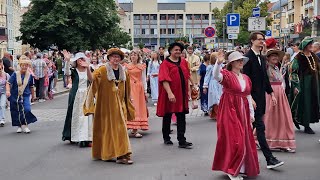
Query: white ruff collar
[{"x": 110, "y": 73}]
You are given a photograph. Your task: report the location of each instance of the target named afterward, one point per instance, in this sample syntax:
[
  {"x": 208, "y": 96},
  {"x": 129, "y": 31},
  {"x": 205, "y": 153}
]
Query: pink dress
[
  {"x": 137, "y": 76},
  {"x": 278, "y": 119}
]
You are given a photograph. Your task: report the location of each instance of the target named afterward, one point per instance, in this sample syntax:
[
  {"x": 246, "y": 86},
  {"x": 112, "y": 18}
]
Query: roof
[
  {"x": 276, "y": 5},
  {"x": 127, "y": 7}
]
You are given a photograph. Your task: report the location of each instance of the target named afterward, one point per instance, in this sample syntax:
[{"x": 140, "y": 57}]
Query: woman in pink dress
[
  {"x": 236, "y": 152},
  {"x": 278, "y": 119},
  {"x": 138, "y": 83}
]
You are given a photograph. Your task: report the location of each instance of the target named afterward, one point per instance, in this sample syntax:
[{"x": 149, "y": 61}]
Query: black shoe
[
  {"x": 296, "y": 124},
  {"x": 206, "y": 114},
  {"x": 168, "y": 143},
  {"x": 189, "y": 143},
  {"x": 308, "y": 130},
  {"x": 185, "y": 145},
  {"x": 274, "y": 163}
]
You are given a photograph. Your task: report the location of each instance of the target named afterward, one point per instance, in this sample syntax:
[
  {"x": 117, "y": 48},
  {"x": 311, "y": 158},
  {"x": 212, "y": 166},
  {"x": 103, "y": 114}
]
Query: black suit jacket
[{"x": 259, "y": 79}]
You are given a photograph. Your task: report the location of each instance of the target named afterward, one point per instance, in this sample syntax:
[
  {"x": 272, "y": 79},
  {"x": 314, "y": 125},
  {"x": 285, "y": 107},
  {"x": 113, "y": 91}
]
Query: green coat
[{"x": 305, "y": 104}]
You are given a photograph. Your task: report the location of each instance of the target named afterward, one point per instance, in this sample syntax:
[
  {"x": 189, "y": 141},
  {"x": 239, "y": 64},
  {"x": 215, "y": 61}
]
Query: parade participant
[
  {"x": 304, "y": 96},
  {"x": 285, "y": 66},
  {"x": 194, "y": 64},
  {"x": 212, "y": 87},
  {"x": 153, "y": 72},
  {"x": 204, "y": 96},
  {"x": 236, "y": 152},
  {"x": 256, "y": 70},
  {"x": 19, "y": 89},
  {"x": 316, "y": 48},
  {"x": 111, "y": 109},
  {"x": 137, "y": 73},
  {"x": 4, "y": 77},
  {"x": 6, "y": 60},
  {"x": 278, "y": 119},
  {"x": 296, "y": 50},
  {"x": 77, "y": 127},
  {"x": 173, "y": 94},
  {"x": 94, "y": 63},
  {"x": 161, "y": 53}
]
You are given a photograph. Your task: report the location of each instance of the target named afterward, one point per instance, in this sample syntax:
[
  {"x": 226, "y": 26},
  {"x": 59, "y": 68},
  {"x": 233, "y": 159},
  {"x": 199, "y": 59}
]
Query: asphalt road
[{"x": 42, "y": 154}]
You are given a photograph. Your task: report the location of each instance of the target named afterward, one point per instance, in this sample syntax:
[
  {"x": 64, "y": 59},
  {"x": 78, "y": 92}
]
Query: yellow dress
[{"x": 111, "y": 109}]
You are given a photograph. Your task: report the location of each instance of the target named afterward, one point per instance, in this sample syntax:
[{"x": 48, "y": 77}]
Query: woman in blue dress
[
  {"x": 153, "y": 71},
  {"x": 202, "y": 74},
  {"x": 212, "y": 87},
  {"x": 19, "y": 90}
]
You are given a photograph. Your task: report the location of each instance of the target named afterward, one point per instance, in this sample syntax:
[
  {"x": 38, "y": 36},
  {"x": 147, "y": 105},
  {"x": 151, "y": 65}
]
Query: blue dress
[
  {"x": 20, "y": 107},
  {"x": 204, "y": 97},
  {"x": 214, "y": 87},
  {"x": 153, "y": 69}
]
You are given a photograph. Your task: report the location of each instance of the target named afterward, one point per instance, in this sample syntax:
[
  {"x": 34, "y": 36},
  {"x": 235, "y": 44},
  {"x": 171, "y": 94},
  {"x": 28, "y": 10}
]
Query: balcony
[
  {"x": 145, "y": 35},
  {"x": 308, "y": 5},
  {"x": 169, "y": 36},
  {"x": 137, "y": 22},
  {"x": 145, "y": 22},
  {"x": 171, "y": 21}
]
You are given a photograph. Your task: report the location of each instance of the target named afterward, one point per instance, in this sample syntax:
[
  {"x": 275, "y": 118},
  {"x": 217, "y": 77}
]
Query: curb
[{"x": 61, "y": 92}]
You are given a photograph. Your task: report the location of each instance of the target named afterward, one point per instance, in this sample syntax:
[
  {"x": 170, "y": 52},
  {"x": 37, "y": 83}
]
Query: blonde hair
[
  {"x": 213, "y": 57},
  {"x": 136, "y": 52}
]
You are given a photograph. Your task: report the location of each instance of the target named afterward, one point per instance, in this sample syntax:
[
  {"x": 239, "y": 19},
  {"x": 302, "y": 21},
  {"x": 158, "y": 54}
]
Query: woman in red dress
[
  {"x": 236, "y": 152},
  {"x": 173, "y": 94}
]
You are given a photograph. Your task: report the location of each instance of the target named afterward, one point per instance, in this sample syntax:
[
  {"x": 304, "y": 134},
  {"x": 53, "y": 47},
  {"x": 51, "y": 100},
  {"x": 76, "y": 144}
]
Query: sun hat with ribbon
[
  {"x": 79, "y": 55},
  {"x": 236, "y": 55},
  {"x": 277, "y": 52}
]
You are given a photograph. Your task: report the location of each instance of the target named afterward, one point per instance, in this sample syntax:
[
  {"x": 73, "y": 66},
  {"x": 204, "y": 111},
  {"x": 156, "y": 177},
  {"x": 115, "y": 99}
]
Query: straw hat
[
  {"x": 115, "y": 51},
  {"x": 24, "y": 60},
  {"x": 277, "y": 52}
]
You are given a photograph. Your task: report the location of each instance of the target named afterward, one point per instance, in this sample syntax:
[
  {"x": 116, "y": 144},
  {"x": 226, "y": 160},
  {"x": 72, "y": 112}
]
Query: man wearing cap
[
  {"x": 173, "y": 94},
  {"x": 256, "y": 70},
  {"x": 305, "y": 89},
  {"x": 39, "y": 66},
  {"x": 111, "y": 108}
]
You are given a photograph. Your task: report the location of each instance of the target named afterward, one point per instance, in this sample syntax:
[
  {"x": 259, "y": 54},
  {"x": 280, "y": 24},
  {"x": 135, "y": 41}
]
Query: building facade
[{"x": 157, "y": 24}]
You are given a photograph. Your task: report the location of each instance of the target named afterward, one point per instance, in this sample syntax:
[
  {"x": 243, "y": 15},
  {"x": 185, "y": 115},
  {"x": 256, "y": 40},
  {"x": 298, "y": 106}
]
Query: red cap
[{"x": 271, "y": 43}]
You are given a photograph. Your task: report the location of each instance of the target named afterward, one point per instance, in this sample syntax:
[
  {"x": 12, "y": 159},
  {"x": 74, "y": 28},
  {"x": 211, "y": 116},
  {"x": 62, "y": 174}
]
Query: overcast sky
[{"x": 26, "y": 2}]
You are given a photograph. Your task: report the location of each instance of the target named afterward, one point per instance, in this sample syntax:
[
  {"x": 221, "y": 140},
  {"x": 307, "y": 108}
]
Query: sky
[{"x": 26, "y": 2}]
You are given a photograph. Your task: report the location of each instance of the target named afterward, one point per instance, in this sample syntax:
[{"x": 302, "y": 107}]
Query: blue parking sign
[
  {"x": 233, "y": 19},
  {"x": 268, "y": 33}
]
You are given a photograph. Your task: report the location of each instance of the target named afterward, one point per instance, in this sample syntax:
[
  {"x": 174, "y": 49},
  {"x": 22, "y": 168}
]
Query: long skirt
[
  {"x": 20, "y": 109},
  {"x": 154, "y": 88},
  {"x": 81, "y": 126},
  {"x": 278, "y": 120}
]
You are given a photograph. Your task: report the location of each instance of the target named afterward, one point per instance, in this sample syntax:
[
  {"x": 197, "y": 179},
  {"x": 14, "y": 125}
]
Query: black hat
[{"x": 175, "y": 44}]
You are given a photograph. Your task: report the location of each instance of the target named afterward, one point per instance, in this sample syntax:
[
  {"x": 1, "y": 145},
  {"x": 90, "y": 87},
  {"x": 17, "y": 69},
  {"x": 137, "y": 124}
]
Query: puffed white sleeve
[
  {"x": 250, "y": 106},
  {"x": 216, "y": 72}
]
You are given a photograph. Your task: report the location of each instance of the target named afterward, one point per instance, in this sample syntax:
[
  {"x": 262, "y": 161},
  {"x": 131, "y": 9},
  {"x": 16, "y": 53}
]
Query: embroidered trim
[
  {"x": 112, "y": 77},
  {"x": 22, "y": 86}
]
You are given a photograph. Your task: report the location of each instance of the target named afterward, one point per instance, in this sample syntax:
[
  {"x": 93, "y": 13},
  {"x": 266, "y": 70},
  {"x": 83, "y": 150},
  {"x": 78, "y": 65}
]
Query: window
[
  {"x": 143, "y": 31},
  {"x": 129, "y": 31},
  {"x": 171, "y": 31},
  {"x": 179, "y": 31},
  {"x": 163, "y": 17},
  {"x": 145, "y": 17},
  {"x": 205, "y": 17},
  {"x": 153, "y": 17},
  {"x": 179, "y": 17},
  {"x": 136, "y": 17},
  {"x": 197, "y": 17},
  {"x": 189, "y": 31},
  {"x": 163, "y": 31},
  {"x": 189, "y": 16},
  {"x": 171, "y": 17},
  {"x": 137, "y": 31},
  {"x": 153, "y": 31}
]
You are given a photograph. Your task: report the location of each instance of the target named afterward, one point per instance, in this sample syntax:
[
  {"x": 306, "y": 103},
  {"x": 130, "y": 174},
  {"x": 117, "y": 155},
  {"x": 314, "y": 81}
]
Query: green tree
[
  {"x": 244, "y": 8},
  {"x": 72, "y": 24}
]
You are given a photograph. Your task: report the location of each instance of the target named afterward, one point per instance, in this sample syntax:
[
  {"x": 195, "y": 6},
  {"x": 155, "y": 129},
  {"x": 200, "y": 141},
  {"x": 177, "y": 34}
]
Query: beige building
[
  {"x": 17, "y": 18},
  {"x": 3, "y": 25},
  {"x": 295, "y": 15},
  {"x": 157, "y": 24}
]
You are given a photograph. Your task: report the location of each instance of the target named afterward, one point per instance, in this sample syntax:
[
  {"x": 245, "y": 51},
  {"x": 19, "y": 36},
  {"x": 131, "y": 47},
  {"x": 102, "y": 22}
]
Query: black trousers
[
  {"x": 261, "y": 136},
  {"x": 181, "y": 127},
  {"x": 39, "y": 88}
]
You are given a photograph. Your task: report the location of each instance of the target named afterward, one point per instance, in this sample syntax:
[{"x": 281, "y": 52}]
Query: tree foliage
[
  {"x": 72, "y": 24},
  {"x": 244, "y": 8}
]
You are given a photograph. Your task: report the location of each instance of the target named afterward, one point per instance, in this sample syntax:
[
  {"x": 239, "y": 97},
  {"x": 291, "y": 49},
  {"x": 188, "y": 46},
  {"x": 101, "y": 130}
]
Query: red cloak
[
  {"x": 235, "y": 145},
  {"x": 177, "y": 74}
]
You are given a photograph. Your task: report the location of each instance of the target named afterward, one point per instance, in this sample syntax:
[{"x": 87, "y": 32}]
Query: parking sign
[
  {"x": 233, "y": 19},
  {"x": 269, "y": 33}
]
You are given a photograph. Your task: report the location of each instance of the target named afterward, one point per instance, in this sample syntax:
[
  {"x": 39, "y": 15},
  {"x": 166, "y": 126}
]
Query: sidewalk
[{"x": 60, "y": 89}]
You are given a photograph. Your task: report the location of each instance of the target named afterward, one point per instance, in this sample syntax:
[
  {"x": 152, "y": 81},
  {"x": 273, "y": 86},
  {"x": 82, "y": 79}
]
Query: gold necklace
[{"x": 314, "y": 63}]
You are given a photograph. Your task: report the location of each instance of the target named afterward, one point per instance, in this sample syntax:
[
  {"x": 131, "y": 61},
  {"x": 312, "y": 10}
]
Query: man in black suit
[{"x": 256, "y": 70}]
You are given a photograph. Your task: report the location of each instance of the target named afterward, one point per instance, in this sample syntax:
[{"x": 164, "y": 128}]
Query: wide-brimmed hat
[
  {"x": 277, "y": 52},
  {"x": 172, "y": 45},
  {"x": 236, "y": 55},
  {"x": 305, "y": 42},
  {"x": 271, "y": 43},
  {"x": 24, "y": 60},
  {"x": 79, "y": 55},
  {"x": 115, "y": 51}
]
